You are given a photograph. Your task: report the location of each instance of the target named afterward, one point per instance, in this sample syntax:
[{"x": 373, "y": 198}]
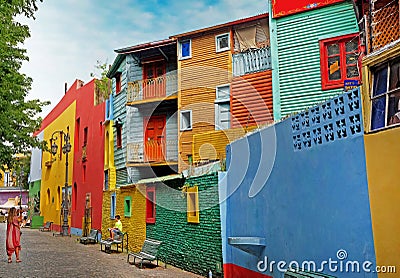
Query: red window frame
[
  {"x": 150, "y": 205},
  {"x": 119, "y": 135},
  {"x": 323, "y": 44},
  {"x": 118, "y": 83}
]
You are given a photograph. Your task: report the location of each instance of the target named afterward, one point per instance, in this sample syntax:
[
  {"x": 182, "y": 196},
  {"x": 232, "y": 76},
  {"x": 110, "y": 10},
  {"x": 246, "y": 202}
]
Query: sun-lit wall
[{"x": 54, "y": 167}]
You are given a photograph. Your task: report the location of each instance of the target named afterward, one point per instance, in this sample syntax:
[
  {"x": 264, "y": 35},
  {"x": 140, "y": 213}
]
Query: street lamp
[{"x": 66, "y": 148}]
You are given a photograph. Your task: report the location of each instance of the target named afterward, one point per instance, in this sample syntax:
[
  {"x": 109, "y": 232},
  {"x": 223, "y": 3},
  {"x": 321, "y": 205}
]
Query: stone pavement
[{"x": 45, "y": 255}]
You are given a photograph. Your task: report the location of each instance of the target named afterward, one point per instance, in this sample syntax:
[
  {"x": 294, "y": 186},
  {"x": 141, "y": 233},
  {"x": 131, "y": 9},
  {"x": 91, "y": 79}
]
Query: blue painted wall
[{"x": 314, "y": 201}]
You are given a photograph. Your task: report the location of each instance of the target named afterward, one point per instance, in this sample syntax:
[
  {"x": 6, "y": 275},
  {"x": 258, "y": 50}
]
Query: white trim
[
  {"x": 180, "y": 49},
  {"x": 227, "y": 98},
  {"x": 217, "y": 49},
  {"x": 189, "y": 126}
]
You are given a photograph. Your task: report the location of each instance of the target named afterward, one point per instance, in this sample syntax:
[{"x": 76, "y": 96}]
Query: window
[
  {"x": 119, "y": 135},
  {"x": 339, "y": 60},
  {"x": 77, "y": 129},
  {"x": 127, "y": 206},
  {"x": 151, "y": 205},
  {"x": 85, "y": 136},
  {"x": 113, "y": 207},
  {"x": 186, "y": 120},
  {"x": 385, "y": 97},
  {"x": 222, "y": 42},
  {"x": 222, "y": 107},
  {"x": 192, "y": 204},
  {"x": 118, "y": 83},
  {"x": 84, "y": 174},
  {"x": 106, "y": 180},
  {"x": 185, "y": 49}
]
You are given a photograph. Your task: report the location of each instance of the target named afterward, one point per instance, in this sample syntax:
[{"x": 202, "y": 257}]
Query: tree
[
  {"x": 18, "y": 117},
  {"x": 103, "y": 83}
]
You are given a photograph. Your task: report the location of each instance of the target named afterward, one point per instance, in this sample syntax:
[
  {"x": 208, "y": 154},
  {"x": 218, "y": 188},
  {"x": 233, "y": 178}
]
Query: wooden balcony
[
  {"x": 152, "y": 151},
  {"x": 251, "y": 61},
  {"x": 152, "y": 89}
]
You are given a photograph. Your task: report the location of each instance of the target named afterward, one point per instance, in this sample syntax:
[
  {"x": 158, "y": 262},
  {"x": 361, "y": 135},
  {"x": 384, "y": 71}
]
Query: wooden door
[
  {"x": 155, "y": 138},
  {"x": 154, "y": 84}
]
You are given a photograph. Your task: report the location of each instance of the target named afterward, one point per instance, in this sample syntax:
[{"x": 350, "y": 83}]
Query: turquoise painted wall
[
  {"x": 296, "y": 56},
  {"x": 193, "y": 247}
]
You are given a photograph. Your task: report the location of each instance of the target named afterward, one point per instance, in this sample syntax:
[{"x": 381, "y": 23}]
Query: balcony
[
  {"x": 251, "y": 61},
  {"x": 152, "y": 151},
  {"x": 153, "y": 89}
]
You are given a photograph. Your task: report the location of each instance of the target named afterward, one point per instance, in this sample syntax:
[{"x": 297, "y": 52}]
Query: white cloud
[{"x": 69, "y": 37}]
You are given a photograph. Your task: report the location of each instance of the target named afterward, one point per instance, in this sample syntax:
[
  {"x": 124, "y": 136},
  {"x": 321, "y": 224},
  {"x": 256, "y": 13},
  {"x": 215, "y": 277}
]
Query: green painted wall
[
  {"x": 193, "y": 247},
  {"x": 295, "y": 41}
]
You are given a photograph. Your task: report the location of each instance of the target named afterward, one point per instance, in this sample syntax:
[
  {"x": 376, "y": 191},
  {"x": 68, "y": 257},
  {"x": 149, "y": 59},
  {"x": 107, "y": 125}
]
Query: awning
[
  {"x": 160, "y": 179},
  {"x": 11, "y": 203}
]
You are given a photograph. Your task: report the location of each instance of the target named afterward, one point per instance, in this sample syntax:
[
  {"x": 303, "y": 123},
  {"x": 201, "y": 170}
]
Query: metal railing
[
  {"x": 151, "y": 151},
  {"x": 150, "y": 88},
  {"x": 251, "y": 61}
]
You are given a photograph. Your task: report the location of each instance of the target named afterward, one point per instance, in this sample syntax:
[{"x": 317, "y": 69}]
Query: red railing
[
  {"x": 151, "y": 151},
  {"x": 149, "y": 88}
]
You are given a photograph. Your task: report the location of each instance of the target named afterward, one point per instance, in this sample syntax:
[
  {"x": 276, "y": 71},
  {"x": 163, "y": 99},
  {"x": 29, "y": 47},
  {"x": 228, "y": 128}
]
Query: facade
[
  {"x": 78, "y": 115},
  {"x": 186, "y": 218},
  {"x": 220, "y": 86},
  {"x": 381, "y": 105},
  {"x": 302, "y": 216},
  {"x": 314, "y": 51}
]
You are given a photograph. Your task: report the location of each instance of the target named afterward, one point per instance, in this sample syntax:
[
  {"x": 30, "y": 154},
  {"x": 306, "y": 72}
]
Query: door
[
  {"x": 154, "y": 84},
  {"x": 155, "y": 138}
]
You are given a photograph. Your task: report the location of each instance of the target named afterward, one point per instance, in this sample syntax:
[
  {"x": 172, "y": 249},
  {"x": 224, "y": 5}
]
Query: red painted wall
[
  {"x": 235, "y": 271},
  {"x": 284, "y": 7},
  {"x": 91, "y": 179}
]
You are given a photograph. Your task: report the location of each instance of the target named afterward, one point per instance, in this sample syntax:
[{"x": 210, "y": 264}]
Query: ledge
[{"x": 251, "y": 245}]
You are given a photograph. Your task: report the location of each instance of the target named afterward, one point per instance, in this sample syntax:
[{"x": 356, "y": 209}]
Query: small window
[
  {"x": 222, "y": 93},
  {"x": 119, "y": 135},
  {"x": 186, "y": 120},
  {"x": 151, "y": 205},
  {"x": 193, "y": 205},
  {"x": 118, "y": 83},
  {"x": 85, "y": 136},
  {"x": 127, "y": 206},
  {"x": 113, "y": 205},
  {"x": 106, "y": 180},
  {"x": 339, "y": 61},
  {"x": 222, "y": 42},
  {"x": 84, "y": 174},
  {"x": 185, "y": 49}
]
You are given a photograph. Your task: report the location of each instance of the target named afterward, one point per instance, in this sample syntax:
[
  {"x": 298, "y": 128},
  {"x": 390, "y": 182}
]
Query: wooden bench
[
  {"x": 118, "y": 242},
  {"x": 46, "y": 227},
  {"x": 148, "y": 253}
]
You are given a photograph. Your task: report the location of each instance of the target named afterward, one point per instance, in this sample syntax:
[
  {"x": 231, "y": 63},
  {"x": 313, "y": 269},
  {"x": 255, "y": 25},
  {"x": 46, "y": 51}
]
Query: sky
[{"x": 68, "y": 37}]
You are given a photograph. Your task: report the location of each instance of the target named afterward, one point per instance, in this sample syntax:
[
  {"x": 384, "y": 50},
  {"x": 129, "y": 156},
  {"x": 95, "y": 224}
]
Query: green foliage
[
  {"x": 103, "y": 83},
  {"x": 21, "y": 169},
  {"x": 18, "y": 116}
]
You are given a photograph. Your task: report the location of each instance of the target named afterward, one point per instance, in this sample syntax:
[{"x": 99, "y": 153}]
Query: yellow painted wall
[
  {"x": 53, "y": 175},
  {"x": 134, "y": 225},
  {"x": 109, "y": 155},
  {"x": 382, "y": 150},
  {"x": 383, "y": 162}
]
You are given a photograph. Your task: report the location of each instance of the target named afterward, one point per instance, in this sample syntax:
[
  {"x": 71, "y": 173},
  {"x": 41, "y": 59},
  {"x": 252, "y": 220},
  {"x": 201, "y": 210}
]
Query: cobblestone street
[{"x": 44, "y": 255}]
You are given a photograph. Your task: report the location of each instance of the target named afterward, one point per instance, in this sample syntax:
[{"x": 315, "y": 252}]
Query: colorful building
[
  {"x": 212, "y": 99},
  {"x": 303, "y": 198},
  {"x": 79, "y": 115},
  {"x": 315, "y": 48},
  {"x": 381, "y": 99}
]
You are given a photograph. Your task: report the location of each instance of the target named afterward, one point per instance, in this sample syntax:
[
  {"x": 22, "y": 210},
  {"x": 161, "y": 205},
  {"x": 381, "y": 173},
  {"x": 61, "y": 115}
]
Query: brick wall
[
  {"x": 193, "y": 247},
  {"x": 134, "y": 225}
]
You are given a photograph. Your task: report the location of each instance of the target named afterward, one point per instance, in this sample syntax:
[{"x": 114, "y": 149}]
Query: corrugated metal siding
[
  {"x": 210, "y": 146},
  {"x": 251, "y": 102},
  {"x": 122, "y": 176},
  {"x": 119, "y": 106},
  {"x": 172, "y": 136},
  {"x": 198, "y": 79},
  {"x": 299, "y": 57}
]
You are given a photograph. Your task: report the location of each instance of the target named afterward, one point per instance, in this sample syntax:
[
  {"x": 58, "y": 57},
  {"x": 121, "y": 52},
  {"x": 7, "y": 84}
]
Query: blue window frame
[
  {"x": 185, "y": 49},
  {"x": 113, "y": 207}
]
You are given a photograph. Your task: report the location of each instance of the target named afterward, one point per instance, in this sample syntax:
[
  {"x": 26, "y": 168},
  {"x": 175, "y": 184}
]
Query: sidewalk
[{"x": 44, "y": 255}]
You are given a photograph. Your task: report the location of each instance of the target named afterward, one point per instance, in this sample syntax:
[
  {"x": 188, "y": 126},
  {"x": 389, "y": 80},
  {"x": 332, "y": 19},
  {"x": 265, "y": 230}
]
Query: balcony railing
[
  {"x": 151, "y": 88},
  {"x": 251, "y": 61},
  {"x": 152, "y": 151}
]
